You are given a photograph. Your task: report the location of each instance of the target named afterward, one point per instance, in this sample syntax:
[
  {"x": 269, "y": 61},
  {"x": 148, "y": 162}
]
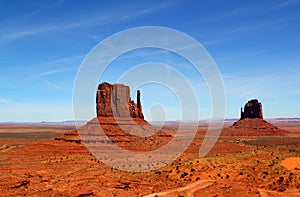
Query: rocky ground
[{"x": 236, "y": 166}]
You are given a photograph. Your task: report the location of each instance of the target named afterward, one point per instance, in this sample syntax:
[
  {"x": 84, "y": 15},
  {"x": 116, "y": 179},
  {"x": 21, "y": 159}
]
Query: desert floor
[{"x": 33, "y": 163}]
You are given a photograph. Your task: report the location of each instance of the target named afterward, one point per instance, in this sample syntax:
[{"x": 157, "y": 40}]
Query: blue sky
[{"x": 255, "y": 45}]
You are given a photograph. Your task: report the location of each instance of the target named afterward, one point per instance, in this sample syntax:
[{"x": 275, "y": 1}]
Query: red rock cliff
[
  {"x": 114, "y": 100},
  {"x": 252, "y": 109}
]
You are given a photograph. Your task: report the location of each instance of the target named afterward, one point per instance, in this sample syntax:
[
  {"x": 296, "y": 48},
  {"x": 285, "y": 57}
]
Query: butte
[
  {"x": 251, "y": 123},
  {"x": 120, "y": 120}
]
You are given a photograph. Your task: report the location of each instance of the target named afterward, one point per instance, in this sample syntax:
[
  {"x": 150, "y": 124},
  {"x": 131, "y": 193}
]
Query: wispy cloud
[
  {"x": 54, "y": 72},
  {"x": 245, "y": 85},
  {"x": 258, "y": 26},
  {"x": 265, "y": 85},
  {"x": 285, "y": 3},
  {"x": 148, "y": 10},
  {"x": 225, "y": 15},
  {"x": 247, "y": 10},
  {"x": 59, "y": 61},
  {"x": 5, "y": 100},
  {"x": 32, "y": 14},
  {"x": 60, "y": 2},
  {"x": 116, "y": 16},
  {"x": 92, "y": 20},
  {"x": 47, "y": 82},
  {"x": 24, "y": 33},
  {"x": 242, "y": 55},
  {"x": 233, "y": 33},
  {"x": 50, "y": 72},
  {"x": 41, "y": 77},
  {"x": 53, "y": 68}
]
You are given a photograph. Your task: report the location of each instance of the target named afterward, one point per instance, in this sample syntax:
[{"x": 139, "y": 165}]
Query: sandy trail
[
  {"x": 268, "y": 193},
  {"x": 201, "y": 184}
]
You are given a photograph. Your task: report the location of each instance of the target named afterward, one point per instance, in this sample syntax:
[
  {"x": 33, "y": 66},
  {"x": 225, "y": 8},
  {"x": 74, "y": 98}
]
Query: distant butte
[
  {"x": 122, "y": 121},
  {"x": 252, "y": 109},
  {"x": 252, "y": 123}
]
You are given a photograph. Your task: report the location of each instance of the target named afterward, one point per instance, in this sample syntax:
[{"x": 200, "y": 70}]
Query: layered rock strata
[{"x": 119, "y": 121}]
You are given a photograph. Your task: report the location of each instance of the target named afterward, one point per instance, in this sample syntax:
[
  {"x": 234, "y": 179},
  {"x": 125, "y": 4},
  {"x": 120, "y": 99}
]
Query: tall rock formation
[
  {"x": 121, "y": 120},
  {"x": 114, "y": 100},
  {"x": 252, "y": 109},
  {"x": 252, "y": 123}
]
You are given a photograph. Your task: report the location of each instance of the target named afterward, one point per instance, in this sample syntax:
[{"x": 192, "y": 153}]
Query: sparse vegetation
[{"x": 240, "y": 162}]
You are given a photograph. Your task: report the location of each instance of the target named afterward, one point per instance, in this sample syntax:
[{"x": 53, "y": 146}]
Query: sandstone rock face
[
  {"x": 252, "y": 109},
  {"x": 253, "y": 127},
  {"x": 114, "y": 100},
  {"x": 122, "y": 121},
  {"x": 251, "y": 123}
]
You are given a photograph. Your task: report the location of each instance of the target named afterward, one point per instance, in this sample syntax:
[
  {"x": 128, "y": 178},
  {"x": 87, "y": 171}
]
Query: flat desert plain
[{"x": 32, "y": 163}]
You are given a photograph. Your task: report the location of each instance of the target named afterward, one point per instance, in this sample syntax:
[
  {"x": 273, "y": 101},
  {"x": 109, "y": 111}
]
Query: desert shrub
[
  {"x": 183, "y": 175},
  {"x": 281, "y": 188},
  {"x": 281, "y": 179}
]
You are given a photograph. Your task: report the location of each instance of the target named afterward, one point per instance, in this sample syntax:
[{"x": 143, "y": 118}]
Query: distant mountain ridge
[{"x": 82, "y": 122}]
